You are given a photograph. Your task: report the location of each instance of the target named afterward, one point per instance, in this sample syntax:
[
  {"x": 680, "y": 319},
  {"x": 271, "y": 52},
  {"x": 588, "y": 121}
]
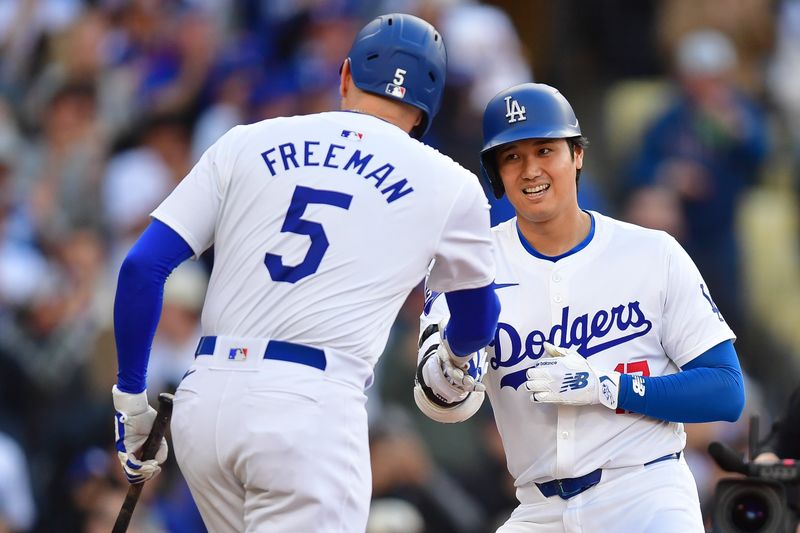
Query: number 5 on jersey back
[{"x": 294, "y": 224}]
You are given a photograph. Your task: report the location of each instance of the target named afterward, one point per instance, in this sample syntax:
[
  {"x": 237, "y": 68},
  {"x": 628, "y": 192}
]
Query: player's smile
[{"x": 534, "y": 192}]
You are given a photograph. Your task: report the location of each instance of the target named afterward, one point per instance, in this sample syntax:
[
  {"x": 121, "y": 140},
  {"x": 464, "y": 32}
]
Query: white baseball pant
[
  {"x": 658, "y": 498},
  {"x": 272, "y": 445}
]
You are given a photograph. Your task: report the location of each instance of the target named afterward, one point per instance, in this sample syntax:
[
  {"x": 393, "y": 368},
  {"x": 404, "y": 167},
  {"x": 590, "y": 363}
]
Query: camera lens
[{"x": 749, "y": 511}]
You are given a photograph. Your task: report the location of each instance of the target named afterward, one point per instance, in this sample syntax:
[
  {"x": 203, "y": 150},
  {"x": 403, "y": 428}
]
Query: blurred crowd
[{"x": 692, "y": 108}]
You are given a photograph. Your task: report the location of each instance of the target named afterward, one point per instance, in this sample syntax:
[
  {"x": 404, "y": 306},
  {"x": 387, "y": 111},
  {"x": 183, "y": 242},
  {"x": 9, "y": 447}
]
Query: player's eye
[
  {"x": 510, "y": 156},
  {"x": 544, "y": 150}
]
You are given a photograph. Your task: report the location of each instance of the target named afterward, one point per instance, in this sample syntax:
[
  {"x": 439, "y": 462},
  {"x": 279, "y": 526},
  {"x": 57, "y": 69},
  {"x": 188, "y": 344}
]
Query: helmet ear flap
[
  {"x": 490, "y": 174},
  {"x": 498, "y": 188}
]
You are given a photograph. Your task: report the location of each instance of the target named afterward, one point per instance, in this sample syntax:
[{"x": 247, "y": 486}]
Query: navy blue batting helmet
[
  {"x": 526, "y": 111},
  {"x": 401, "y": 57}
]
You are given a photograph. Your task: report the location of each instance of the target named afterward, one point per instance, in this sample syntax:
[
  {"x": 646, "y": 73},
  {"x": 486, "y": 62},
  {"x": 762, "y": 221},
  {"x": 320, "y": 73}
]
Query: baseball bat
[{"x": 149, "y": 450}]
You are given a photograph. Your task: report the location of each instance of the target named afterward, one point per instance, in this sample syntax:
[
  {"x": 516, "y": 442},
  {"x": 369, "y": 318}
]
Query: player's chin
[{"x": 539, "y": 212}]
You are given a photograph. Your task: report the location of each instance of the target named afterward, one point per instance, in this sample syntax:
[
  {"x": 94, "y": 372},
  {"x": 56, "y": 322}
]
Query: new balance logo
[
  {"x": 575, "y": 381},
  {"x": 637, "y": 384},
  {"x": 514, "y": 112}
]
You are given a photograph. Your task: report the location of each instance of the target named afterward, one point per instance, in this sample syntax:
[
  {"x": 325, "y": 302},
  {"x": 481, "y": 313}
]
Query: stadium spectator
[{"x": 707, "y": 147}]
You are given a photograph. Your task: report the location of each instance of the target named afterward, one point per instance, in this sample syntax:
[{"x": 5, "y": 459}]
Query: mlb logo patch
[
  {"x": 237, "y": 354},
  {"x": 352, "y": 135},
  {"x": 395, "y": 90}
]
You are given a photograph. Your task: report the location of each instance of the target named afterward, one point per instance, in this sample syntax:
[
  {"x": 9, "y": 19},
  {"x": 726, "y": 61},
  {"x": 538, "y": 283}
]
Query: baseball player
[
  {"x": 321, "y": 226},
  {"x": 608, "y": 340}
]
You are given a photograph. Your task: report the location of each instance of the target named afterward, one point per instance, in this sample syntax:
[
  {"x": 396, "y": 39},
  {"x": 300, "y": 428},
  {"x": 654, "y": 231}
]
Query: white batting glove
[
  {"x": 445, "y": 390},
  {"x": 449, "y": 382},
  {"x": 132, "y": 424},
  {"x": 565, "y": 377}
]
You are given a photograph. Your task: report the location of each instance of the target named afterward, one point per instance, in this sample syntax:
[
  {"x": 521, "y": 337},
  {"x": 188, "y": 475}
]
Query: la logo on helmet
[{"x": 514, "y": 112}]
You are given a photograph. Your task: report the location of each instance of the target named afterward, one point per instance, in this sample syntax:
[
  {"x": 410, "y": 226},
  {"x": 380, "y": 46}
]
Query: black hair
[{"x": 572, "y": 142}]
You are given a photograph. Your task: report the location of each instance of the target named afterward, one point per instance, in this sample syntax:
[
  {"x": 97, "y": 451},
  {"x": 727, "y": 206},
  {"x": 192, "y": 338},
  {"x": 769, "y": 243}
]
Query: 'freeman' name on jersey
[{"x": 287, "y": 156}]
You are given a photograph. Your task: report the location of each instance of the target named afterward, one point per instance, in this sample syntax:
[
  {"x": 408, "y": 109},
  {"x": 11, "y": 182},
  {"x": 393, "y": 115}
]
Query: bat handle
[
  {"x": 164, "y": 413},
  {"x": 149, "y": 450}
]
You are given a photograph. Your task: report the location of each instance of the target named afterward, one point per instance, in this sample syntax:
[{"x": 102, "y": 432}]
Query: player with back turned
[
  {"x": 608, "y": 340},
  {"x": 321, "y": 225}
]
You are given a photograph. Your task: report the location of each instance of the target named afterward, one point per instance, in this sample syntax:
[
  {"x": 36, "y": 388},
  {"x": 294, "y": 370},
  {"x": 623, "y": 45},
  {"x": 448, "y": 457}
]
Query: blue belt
[
  {"x": 569, "y": 487},
  {"x": 277, "y": 350}
]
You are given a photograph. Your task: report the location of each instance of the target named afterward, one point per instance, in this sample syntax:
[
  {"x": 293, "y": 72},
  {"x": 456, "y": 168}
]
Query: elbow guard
[
  {"x": 434, "y": 406},
  {"x": 447, "y": 413}
]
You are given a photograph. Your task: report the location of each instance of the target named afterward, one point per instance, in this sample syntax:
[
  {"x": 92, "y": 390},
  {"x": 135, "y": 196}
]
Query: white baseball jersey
[
  {"x": 630, "y": 300},
  {"x": 322, "y": 225}
]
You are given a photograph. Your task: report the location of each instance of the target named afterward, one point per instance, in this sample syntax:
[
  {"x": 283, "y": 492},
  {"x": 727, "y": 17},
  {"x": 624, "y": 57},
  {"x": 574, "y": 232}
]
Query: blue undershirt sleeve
[
  {"x": 709, "y": 388},
  {"x": 137, "y": 304},
  {"x": 473, "y": 319}
]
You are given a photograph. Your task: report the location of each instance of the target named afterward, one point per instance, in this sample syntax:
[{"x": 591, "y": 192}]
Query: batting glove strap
[
  {"x": 608, "y": 389},
  {"x": 565, "y": 377}
]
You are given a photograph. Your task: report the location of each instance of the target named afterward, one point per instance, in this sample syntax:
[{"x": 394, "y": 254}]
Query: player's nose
[{"x": 532, "y": 169}]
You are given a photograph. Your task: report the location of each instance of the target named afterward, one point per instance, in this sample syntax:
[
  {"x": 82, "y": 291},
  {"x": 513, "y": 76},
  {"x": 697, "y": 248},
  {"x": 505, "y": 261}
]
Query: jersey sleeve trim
[
  {"x": 464, "y": 286},
  {"x": 703, "y": 347},
  {"x": 178, "y": 228}
]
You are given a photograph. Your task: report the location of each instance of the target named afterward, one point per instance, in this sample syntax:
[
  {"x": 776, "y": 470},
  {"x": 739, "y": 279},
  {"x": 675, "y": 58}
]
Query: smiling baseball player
[
  {"x": 321, "y": 226},
  {"x": 608, "y": 340}
]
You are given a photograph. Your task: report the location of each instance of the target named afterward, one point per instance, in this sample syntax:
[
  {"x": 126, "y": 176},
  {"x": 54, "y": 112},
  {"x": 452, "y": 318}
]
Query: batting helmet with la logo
[{"x": 526, "y": 111}]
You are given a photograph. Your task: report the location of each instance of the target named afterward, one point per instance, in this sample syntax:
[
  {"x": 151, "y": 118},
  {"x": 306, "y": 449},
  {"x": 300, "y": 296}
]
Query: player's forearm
[
  {"x": 710, "y": 388},
  {"x": 138, "y": 301},
  {"x": 473, "y": 319}
]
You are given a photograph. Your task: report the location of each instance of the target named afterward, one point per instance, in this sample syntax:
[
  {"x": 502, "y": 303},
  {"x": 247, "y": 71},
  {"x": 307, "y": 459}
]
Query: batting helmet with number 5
[{"x": 401, "y": 57}]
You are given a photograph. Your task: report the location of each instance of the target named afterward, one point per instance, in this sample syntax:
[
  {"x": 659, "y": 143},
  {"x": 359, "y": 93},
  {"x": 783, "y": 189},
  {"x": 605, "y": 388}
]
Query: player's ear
[
  {"x": 344, "y": 77},
  {"x": 419, "y": 118}
]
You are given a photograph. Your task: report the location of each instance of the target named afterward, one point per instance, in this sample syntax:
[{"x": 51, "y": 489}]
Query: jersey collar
[
  {"x": 580, "y": 246},
  {"x": 365, "y": 114}
]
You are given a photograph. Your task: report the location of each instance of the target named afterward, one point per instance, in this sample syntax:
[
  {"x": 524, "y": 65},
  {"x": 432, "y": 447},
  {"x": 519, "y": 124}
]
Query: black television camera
[{"x": 757, "y": 503}]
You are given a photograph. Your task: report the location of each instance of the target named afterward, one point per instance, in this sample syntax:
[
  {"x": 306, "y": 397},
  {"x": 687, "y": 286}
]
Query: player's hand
[
  {"x": 132, "y": 424},
  {"x": 450, "y": 381},
  {"x": 564, "y": 377}
]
